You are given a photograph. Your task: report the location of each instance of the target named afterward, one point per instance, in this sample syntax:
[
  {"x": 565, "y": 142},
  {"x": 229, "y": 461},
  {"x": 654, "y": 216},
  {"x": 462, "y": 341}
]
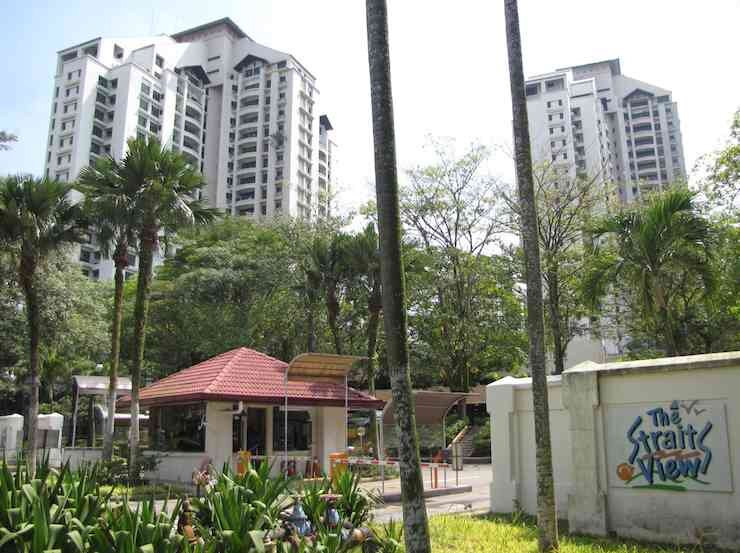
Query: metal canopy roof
[
  {"x": 313, "y": 366},
  {"x": 430, "y": 407},
  {"x": 98, "y": 385}
]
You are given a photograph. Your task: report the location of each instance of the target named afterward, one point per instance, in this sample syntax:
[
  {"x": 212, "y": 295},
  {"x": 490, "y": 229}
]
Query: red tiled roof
[{"x": 244, "y": 374}]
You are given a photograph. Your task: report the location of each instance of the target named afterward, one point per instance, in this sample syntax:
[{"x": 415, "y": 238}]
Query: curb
[{"x": 396, "y": 497}]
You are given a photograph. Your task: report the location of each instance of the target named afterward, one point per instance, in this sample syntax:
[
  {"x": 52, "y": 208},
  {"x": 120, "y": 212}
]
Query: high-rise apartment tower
[
  {"x": 593, "y": 120},
  {"x": 245, "y": 115}
]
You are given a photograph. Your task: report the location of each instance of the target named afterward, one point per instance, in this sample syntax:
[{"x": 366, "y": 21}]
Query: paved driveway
[{"x": 476, "y": 476}]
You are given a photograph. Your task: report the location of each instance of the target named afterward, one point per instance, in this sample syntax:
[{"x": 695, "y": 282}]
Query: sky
[{"x": 448, "y": 64}]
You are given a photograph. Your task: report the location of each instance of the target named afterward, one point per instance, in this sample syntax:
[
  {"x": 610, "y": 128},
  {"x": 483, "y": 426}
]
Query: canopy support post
[
  {"x": 74, "y": 415},
  {"x": 285, "y": 424},
  {"x": 346, "y": 412}
]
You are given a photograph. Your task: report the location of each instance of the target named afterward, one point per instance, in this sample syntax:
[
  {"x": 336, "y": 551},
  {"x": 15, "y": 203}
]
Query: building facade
[
  {"x": 592, "y": 120},
  {"x": 245, "y": 115}
]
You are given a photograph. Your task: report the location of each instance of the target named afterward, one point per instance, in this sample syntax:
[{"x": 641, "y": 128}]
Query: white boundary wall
[{"x": 676, "y": 482}]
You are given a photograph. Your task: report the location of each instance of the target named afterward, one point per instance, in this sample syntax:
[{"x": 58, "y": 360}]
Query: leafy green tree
[
  {"x": 326, "y": 265},
  {"x": 547, "y": 521},
  {"x": 165, "y": 188},
  {"x": 74, "y": 317},
  {"x": 494, "y": 339},
  {"x": 231, "y": 284},
  {"x": 450, "y": 208},
  {"x": 5, "y": 139},
  {"x": 564, "y": 207},
  {"x": 722, "y": 183},
  {"x": 110, "y": 201},
  {"x": 37, "y": 220},
  {"x": 415, "y": 520},
  {"x": 657, "y": 248}
]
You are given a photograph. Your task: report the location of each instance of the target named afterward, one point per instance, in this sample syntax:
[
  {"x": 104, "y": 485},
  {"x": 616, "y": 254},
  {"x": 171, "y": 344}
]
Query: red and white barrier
[{"x": 387, "y": 463}]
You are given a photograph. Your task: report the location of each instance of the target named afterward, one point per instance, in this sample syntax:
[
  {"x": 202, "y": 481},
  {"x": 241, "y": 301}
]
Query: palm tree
[
  {"x": 111, "y": 204},
  {"x": 37, "y": 219},
  {"x": 363, "y": 259},
  {"x": 164, "y": 188},
  {"x": 416, "y": 524},
  {"x": 328, "y": 265},
  {"x": 546, "y": 516},
  {"x": 655, "y": 245}
]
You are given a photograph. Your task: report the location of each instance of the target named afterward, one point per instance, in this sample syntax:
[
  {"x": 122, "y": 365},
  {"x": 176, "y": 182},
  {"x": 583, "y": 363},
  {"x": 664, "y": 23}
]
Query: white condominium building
[
  {"x": 244, "y": 114},
  {"x": 592, "y": 120}
]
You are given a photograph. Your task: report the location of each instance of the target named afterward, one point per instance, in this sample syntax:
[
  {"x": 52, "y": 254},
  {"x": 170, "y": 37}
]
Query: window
[
  {"x": 561, "y": 116},
  {"x": 114, "y": 83},
  {"x": 159, "y": 60},
  {"x": 214, "y": 58},
  {"x": 117, "y": 52},
  {"x": 268, "y": 83},
  {"x": 298, "y": 430},
  {"x": 143, "y": 104},
  {"x": 145, "y": 88},
  {"x": 532, "y": 89},
  {"x": 56, "y": 92},
  {"x": 549, "y": 117},
  {"x": 69, "y": 76},
  {"x": 283, "y": 79},
  {"x": 549, "y": 104},
  {"x": 179, "y": 428},
  {"x": 552, "y": 130}
]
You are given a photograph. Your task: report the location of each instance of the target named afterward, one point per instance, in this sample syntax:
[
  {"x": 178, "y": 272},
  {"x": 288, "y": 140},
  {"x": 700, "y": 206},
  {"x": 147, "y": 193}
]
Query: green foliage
[
  {"x": 662, "y": 251},
  {"x": 453, "y": 428},
  {"x": 721, "y": 185},
  {"x": 238, "y": 510},
  {"x": 355, "y": 504},
  {"x": 389, "y": 537},
  {"x": 482, "y": 441}
]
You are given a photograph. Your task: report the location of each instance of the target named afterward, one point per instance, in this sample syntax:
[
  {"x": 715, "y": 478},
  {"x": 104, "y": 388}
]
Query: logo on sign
[{"x": 668, "y": 450}]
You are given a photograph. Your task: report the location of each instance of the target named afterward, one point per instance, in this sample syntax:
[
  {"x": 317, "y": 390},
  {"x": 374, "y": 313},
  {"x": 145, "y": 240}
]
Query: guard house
[{"x": 244, "y": 400}]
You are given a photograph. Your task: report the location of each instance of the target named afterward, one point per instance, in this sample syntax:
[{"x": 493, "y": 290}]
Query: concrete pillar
[
  {"x": 219, "y": 432},
  {"x": 587, "y": 498},
  {"x": 504, "y": 452},
  {"x": 11, "y": 435},
  {"x": 51, "y": 439}
]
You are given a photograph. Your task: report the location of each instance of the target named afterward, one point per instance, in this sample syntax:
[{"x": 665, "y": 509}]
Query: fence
[{"x": 642, "y": 449}]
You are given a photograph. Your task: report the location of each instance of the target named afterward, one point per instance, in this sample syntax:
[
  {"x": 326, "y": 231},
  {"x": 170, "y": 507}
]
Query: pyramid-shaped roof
[{"x": 243, "y": 374}]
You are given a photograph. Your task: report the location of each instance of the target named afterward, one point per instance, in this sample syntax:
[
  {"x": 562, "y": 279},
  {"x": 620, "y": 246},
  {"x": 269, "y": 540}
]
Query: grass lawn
[{"x": 492, "y": 534}]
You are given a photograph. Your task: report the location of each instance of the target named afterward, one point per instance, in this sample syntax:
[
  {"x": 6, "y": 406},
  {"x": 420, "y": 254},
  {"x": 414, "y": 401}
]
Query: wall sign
[{"x": 680, "y": 445}]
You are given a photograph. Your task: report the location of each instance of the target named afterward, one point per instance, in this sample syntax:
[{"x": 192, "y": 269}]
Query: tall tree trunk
[
  {"x": 546, "y": 515},
  {"x": 141, "y": 309},
  {"x": 310, "y": 330},
  {"x": 28, "y": 282},
  {"x": 416, "y": 525},
  {"x": 373, "y": 324},
  {"x": 332, "y": 310},
  {"x": 120, "y": 258},
  {"x": 553, "y": 303}
]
